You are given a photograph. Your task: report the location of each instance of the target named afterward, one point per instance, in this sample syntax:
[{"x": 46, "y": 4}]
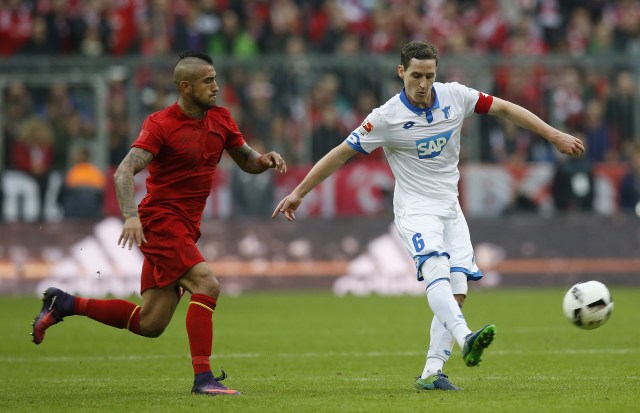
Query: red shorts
[{"x": 170, "y": 251}]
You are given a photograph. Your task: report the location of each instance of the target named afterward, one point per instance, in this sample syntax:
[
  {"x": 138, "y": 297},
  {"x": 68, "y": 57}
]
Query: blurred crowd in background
[
  {"x": 303, "y": 111},
  {"x": 252, "y": 27}
]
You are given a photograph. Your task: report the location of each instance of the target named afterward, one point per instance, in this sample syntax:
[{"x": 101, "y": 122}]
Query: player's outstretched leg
[
  {"x": 436, "y": 381},
  {"x": 56, "y": 304},
  {"x": 208, "y": 385},
  {"x": 475, "y": 343}
]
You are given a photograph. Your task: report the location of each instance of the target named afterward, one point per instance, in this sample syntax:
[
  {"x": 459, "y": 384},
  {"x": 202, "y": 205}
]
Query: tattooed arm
[
  {"x": 252, "y": 162},
  {"x": 136, "y": 160}
]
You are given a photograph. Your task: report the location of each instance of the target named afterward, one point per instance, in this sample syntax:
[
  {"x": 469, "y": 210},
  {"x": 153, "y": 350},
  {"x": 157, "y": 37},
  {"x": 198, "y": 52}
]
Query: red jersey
[{"x": 186, "y": 152}]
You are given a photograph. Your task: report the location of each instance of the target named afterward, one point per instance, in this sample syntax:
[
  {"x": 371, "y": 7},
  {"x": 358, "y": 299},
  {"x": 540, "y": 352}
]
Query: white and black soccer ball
[{"x": 588, "y": 305}]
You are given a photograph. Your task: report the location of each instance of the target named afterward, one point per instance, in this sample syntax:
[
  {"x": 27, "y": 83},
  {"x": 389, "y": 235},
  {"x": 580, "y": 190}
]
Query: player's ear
[{"x": 401, "y": 72}]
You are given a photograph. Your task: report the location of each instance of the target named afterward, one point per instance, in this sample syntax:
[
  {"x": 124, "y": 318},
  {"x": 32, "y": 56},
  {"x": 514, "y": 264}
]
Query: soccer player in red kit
[{"x": 181, "y": 146}]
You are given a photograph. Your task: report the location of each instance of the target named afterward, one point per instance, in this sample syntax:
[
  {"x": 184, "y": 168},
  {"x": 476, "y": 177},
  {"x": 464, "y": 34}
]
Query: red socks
[
  {"x": 124, "y": 314},
  {"x": 200, "y": 331},
  {"x": 114, "y": 313}
]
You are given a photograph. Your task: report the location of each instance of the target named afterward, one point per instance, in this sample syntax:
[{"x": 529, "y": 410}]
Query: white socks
[
  {"x": 448, "y": 322},
  {"x": 439, "y": 349},
  {"x": 446, "y": 309}
]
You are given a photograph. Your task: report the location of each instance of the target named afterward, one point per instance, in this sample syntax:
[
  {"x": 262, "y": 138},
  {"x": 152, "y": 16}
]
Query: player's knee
[
  {"x": 435, "y": 269},
  {"x": 213, "y": 286},
  {"x": 209, "y": 285},
  {"x": 200, "y": 280}
]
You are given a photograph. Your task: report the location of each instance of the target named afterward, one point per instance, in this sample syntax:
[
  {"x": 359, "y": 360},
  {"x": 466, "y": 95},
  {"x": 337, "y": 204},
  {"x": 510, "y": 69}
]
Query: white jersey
[{"x": 422, "y": 147}]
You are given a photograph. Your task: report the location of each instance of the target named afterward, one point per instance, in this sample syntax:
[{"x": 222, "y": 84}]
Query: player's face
[
  {"x": 418, "y": 79},
  {"x": 204, "y": 88}
]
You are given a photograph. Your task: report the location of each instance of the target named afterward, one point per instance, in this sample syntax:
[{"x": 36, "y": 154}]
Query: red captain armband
[{"x": 484, "y": 103}]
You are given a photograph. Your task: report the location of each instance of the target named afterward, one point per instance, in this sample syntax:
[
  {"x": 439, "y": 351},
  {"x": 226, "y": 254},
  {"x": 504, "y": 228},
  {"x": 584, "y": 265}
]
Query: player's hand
[
  {"x": 274, "y": 160},
  {"x": 287, "y": 206},
  {"x": 132, "y": 232},
  {"x": 569, "y": 145}
]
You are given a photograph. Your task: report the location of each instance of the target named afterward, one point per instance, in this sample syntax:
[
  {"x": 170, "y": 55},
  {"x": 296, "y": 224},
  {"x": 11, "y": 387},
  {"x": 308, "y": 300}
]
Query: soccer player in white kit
[{"x": 419, "y": 131}]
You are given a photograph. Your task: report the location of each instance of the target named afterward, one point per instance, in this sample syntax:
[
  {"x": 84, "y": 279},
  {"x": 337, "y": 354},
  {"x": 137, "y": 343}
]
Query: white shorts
[{"x": 426, "y": 236}]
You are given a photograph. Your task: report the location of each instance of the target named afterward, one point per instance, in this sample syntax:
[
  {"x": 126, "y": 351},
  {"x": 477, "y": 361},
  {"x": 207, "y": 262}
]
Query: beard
[{"x": 205, "y": 105}]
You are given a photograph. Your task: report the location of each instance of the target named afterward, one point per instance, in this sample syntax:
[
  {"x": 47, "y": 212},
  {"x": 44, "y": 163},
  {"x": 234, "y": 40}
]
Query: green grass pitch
[{"x": 313, "y": 352}]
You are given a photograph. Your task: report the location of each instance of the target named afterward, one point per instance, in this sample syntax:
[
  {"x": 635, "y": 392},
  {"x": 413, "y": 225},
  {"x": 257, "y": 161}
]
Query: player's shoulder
[
  {"x": 452, "y": 87},
  {"x": 167, "y": 114},
  {"x": 389, "y": 109},
  {"x": 455, "y": 93},
  {"x": 391, "y": 102}
]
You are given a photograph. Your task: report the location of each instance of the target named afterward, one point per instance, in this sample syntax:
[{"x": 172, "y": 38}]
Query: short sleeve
[
  {"x": 370, "y": 134},
  {"x": 470, "y": 98},
  {"x": 484, "y": 103},
  {"x": 235, "y": 139},
  {"x": 151, "y": 137}
]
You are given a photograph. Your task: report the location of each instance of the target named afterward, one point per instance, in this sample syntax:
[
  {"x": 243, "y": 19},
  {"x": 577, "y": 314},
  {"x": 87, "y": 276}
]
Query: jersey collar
[{"x": 419, "y": 111}]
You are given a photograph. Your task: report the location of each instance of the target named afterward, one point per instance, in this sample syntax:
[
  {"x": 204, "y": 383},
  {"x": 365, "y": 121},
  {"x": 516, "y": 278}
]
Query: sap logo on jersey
[{"x": 432, "y": 146}]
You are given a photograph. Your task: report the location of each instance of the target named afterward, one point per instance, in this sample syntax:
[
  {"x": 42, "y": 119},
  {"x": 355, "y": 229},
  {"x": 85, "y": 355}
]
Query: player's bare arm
[
  {"x": 565, "y": 143},
  {"x": 136, "y": 160},
  {"x": 252, "y": 162},
  {"x": 320, "y": 171}
]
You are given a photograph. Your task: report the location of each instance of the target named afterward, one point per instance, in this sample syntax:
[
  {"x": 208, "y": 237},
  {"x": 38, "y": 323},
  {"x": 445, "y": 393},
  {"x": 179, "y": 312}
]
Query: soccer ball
[{"x": 588, "y": 305}]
